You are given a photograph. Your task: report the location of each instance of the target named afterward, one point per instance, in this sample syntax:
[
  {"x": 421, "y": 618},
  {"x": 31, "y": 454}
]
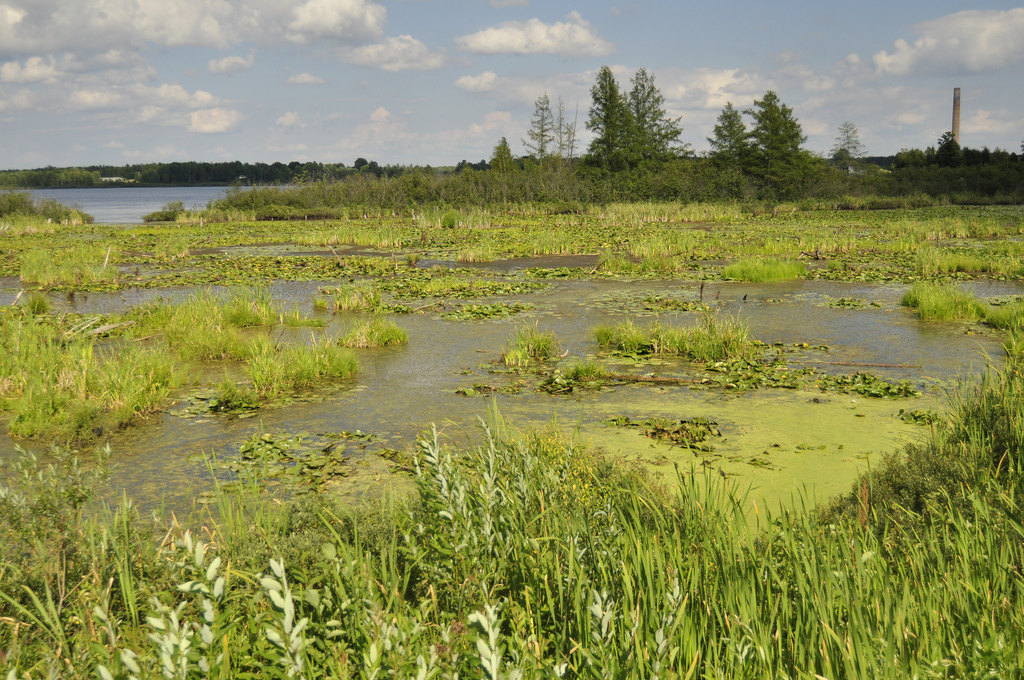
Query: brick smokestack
[{"x": 956, "y": 114}]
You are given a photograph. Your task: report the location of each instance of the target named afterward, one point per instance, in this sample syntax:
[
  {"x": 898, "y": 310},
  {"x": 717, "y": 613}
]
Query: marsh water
[
  {"x": 779, "y": 443},
  {"x": 127, "y": 205}
]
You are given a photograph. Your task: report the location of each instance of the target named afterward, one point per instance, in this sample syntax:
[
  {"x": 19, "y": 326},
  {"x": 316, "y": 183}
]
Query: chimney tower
[{"x": 956, "y": 114}]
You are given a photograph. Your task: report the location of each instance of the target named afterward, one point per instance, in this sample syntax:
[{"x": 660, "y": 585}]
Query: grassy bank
[{"x": 530, "y": 557}]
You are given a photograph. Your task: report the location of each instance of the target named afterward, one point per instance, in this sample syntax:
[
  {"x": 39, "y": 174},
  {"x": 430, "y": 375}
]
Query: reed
[
  {"x": 943, "y": 303},
  {"x": 712, "y": 338}
]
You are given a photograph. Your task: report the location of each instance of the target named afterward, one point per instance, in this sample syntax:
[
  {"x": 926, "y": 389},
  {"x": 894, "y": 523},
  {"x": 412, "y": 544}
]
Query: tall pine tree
[
  {"x": 653, "y": 134},
  {"x": 610, "y": 121}
]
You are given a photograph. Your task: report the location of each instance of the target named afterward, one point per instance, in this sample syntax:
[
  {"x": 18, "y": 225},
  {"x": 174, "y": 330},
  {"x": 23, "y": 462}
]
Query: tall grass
[
  {"x": 63, "y": 387},
  {"x": 377, "y": 331},
  {"x": 77, "y": 266},
  {"x": 763, "y": 271},
  {"x": 713, "y": 338},
  {"x": 529, "y": 557},
  {"x": 274, "y": 368},
  {"x": 943, "y": 303},
  {"x": 529, "y": 344}
]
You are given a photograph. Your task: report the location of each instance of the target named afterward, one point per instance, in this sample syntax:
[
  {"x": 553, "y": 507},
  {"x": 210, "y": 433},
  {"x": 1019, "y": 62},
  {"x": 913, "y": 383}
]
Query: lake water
[{"x": 127, "y": 205}]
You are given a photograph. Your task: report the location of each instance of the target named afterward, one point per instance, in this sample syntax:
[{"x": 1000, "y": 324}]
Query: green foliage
[
  {"x": 712, "y": 339},
  {"x": 730, "y": 145},
  {"x": 652, "y": 134},
  {"x": 775, "y": 145},
  {"x": 948, "y": 154},
  {"x": 610, "y": 121},
  {"x": 378, "y": 331},
  {"x": 943, "y": 303},
  {"x": 762, "y": 271},
  {"x": 529, "y": 343}
]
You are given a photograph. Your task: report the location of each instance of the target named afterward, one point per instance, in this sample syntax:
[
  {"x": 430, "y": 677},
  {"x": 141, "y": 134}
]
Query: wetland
[{"x": 676, "y": 403}]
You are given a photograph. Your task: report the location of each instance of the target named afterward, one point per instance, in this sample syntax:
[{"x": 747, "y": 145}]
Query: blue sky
[{"x": 438, "y": 81}]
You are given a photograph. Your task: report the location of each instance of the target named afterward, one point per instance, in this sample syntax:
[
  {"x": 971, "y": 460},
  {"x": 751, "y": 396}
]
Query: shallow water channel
[{"x": 779, "y": 443}]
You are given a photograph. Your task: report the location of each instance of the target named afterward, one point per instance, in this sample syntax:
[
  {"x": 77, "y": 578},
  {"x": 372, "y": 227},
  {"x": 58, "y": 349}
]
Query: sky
[{"x": 86, "y": 82}]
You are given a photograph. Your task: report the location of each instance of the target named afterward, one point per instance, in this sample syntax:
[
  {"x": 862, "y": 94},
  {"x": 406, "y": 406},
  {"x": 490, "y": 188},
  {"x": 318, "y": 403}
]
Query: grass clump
[
  {"x": 711, "y": 339},
  {"x": 529, "y": 344},
  {"x": 274, "y": 369},
  {"x": 378, "y": 331},
  {"x": 943, "y": 303},
  {"x": 62, "y": 387},
  {"x": 348, "y": 298},
  {"x": 763, "y": 271}
]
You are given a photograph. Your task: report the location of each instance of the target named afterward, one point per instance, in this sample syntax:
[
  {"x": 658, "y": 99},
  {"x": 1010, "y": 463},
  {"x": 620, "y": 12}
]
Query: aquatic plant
[
  {"x": 275, "y": 368},
  {"x": 377, "y": 331},
  {"x": 83, "y": 265},
  {"x": 712, "y": 339},
  {"x": 943, "y": 303},
  {"x": 528, "y": 344},
  {"x": 763, "y": 271}
]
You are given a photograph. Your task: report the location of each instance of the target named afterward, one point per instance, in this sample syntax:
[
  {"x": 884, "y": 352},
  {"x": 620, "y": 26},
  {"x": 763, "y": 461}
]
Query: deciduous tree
[{"x": 848, "y": 146}]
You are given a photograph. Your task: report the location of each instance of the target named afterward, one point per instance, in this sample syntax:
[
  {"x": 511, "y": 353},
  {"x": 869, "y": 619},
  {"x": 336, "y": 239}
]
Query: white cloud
[
  {"x": 290, "y": 120},
  {"x": 574, "y": 37},
  {"x": 94, "y": 99},
  {"x": 306, "y": 79},
  {"x": 972, "y": 41},
  {"x": 36, "y": 69},
  {"x": 998, "y": 122},
  {"x": 229, "y": 65},
  {"x": 45, "y": 26},
  {"x": 708, "y": 88},
  {"x": 484, "y": 82},
  {"x": 212, "y": 121},
  {"x": 509, "y": 3},
  {"x": 403, "y": 53},
  {"x": 380, "y": 115},
  {"x": 344, "y": 19}
]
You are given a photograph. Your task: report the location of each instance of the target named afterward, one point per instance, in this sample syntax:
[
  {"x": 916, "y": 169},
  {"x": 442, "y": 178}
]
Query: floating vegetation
[
  {"x": 497, "y": 310},
  {"x": 868, "y": 385},
  {"x": 849, "y": 303},
  {"x": 689, "y": 433},
  {"x": 443, "y": 284},
  {"x": 583, "y": 375},
  {"x": 919, "y": 417},
  {"x": 299, "y": 462}
]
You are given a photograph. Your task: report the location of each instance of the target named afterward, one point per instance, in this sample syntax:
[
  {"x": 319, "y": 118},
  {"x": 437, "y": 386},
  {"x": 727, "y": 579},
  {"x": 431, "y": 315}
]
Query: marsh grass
[
  {"x": 274, "y": 368},
  {"x": 763, "y": 271},
  {"x": 82, "y": 265},
  {"x": 377, "y": 331},
  {"x": 66, "y": 388},
  {"x": 943, "y": 303},
  {"x": 603, "y": 572},
  {"x": 713, "y": 338},
  {"x": 38, "y": 303},
  {"x": 529, "y": 344},
  {"x": 358, "y": 297}
]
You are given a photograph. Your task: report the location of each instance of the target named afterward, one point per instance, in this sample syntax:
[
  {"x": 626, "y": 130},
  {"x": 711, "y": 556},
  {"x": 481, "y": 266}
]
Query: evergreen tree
[
  {"x": 653, "y": 133},
  {"x": 610, "y": 121},
  {"x": 848, "y": 146},
  {"x": 542, "y": 129},
  {"x": 775, "y": 141},
  {"x": 949, "y": 154},
  {"x": 730, "y": 143}
]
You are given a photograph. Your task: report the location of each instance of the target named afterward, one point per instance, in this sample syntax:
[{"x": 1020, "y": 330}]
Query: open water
[{"x": 127, "y": 205}]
